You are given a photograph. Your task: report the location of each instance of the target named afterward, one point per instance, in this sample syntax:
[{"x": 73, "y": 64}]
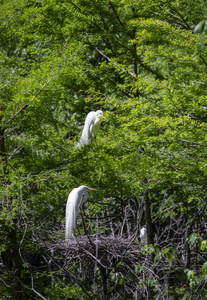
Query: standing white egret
[
  {"x": 91, "y": 127},
  {"x": 76, "y": 197},
  {"x": 143, "y": 235}
]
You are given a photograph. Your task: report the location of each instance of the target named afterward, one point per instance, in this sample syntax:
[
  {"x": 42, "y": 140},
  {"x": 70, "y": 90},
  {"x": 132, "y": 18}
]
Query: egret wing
[
  {"x": 86, "y": 134},
  {"x": 71, "y": 214}
]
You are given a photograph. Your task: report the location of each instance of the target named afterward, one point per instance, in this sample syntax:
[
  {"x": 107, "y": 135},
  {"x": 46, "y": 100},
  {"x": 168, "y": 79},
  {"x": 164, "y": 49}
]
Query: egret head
[
  {"x": 83, "y": 192},
  {"x": 99, "y": 114},
  {"x": 84, "y": 187}
]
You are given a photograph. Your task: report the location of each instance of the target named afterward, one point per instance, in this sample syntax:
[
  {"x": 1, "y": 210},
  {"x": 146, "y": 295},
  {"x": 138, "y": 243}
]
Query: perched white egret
[
  {"x": 76, "y": 197},
  {"x": 143, "y": 235},
  {"x": 91, "y": 127}
]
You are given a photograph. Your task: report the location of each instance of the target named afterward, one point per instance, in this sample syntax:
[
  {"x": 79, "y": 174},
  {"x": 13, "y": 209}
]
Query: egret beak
[{"x": 93, "y": 190}]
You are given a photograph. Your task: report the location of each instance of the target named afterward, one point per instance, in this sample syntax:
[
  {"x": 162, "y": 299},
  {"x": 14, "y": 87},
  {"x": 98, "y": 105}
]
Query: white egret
[
  {"x": 143, "y": 235},
  {"x": 76, "y": 197},
  {"x": 91, "y": 127}
]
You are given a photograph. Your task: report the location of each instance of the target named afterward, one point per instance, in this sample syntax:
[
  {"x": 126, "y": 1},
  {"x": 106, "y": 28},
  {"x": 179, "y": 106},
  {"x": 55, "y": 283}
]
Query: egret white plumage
[
  {"x": 143, "y": 235},
  {"x": 91, "y": 127},
  {"x": 76, "y": 197}
]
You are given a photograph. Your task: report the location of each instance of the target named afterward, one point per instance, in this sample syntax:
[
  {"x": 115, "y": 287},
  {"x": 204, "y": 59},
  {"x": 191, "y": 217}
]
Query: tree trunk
[
  {"x": 148, "y": 219},
  {"x": 16, "y": 260},
  {"x": 104, "y": 280},
  {"x": 12, "y": 238},
  {"x": 2, "y": 144}
]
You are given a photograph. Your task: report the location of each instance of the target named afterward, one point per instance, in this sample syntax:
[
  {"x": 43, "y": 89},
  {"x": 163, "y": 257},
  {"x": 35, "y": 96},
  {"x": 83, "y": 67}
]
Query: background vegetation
[{"x": 143, "y": 65}]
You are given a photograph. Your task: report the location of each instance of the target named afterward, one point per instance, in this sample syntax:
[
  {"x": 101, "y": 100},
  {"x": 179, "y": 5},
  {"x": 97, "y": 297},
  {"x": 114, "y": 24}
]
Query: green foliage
[
  {"x": 141, "y": 64},
  {"x": 194, "y": 238}
]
